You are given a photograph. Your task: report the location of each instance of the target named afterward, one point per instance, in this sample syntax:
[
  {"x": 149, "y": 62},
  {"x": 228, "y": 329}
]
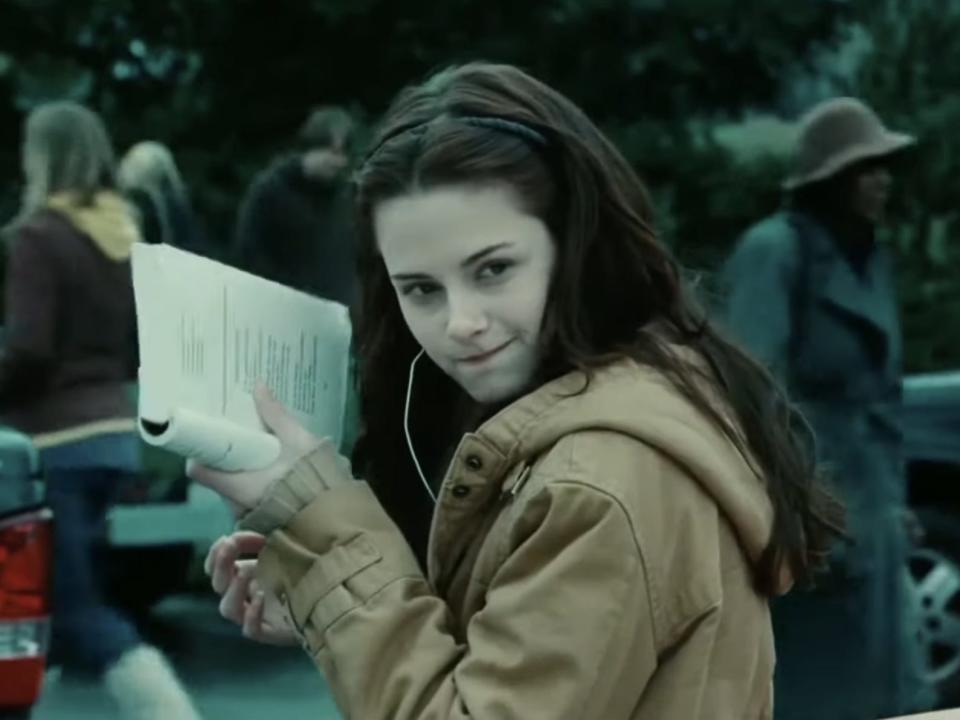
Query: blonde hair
[
  {"x": 66, "y": 148},
  {"x": 326, "y": 126},
  {"x": 149, "y": 167}
]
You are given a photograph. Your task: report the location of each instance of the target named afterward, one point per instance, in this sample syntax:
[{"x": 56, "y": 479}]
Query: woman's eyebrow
[
  {"x": 477, "y": 256},
  {"x": 400, "y": 277},
  {"x": 473, "y": 259}
]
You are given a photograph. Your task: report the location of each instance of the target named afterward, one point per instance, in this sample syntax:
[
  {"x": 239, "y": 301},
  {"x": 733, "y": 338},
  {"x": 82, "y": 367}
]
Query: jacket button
[
  {"x": 474, "y": 462},
  {"x": 460, "y": 491}
]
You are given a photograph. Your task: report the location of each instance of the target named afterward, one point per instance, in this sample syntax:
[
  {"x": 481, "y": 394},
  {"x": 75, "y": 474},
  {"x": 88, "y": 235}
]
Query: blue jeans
[{"x": 87, "y": 634}]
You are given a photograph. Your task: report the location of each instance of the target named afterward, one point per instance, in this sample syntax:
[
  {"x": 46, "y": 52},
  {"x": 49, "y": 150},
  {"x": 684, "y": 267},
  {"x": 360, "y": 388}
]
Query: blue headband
[{"x": 501, "y": 124}]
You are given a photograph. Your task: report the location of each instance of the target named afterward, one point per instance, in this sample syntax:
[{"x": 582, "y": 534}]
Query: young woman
[
  {"x": 148, "y": 176},
  {"x": 615, "y": 490},
  {"x": 69, "y": 356}
]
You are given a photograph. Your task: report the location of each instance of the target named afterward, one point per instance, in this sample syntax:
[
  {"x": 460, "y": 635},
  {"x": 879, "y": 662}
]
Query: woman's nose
[
  {"x": 883, "y": 177},
  {"x": 466, "y": 320}
]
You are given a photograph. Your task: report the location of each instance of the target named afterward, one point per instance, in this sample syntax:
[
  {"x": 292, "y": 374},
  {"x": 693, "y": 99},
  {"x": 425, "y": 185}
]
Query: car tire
[{"x": 934, "y": 570}]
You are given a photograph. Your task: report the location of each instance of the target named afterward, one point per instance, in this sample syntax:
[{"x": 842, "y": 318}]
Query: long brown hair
[{"x": 616, "y": 292}]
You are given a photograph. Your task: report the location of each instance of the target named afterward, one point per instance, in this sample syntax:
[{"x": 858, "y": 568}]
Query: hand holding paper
[{"x": 244, "y": 490}]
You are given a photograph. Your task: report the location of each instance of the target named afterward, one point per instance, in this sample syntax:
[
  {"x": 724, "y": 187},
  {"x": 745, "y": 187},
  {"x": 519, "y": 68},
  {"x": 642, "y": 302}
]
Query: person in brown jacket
[
  {"x": 69, "y": 357},
  {"x": 616, "y": 491}
]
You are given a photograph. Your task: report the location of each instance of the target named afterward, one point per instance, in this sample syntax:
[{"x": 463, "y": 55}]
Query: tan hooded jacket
[{"x": 590, "y": 559}]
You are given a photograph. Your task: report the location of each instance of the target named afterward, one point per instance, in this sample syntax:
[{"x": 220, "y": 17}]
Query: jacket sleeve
[
  {"x": 760, "y": 277},
  {"x": 565, "y": 613},
  {"x": 30, "y": 317}
]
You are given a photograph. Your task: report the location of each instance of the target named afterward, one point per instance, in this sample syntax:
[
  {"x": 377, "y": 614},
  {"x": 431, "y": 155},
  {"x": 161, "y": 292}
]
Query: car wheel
[{"x": 934, "y": 582}]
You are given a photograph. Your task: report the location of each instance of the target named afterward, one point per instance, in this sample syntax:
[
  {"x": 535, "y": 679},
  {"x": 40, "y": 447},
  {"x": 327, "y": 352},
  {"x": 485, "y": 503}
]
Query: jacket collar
[
  {"x": 834, "y": 280},
  {"x": 623, "y": 398}
]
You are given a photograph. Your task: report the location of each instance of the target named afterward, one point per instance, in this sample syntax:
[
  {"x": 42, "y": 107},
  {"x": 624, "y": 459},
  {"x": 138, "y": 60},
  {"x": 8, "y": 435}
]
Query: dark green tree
[
  {"x": 226, "y": 83},
  {"x": 911, "y": 77}
]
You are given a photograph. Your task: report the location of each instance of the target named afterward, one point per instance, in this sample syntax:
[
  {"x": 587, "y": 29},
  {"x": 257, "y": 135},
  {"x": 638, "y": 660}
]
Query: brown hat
[{"x": 836, "y": 134}]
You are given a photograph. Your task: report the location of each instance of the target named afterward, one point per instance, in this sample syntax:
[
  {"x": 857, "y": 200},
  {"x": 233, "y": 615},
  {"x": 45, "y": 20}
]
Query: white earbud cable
[{"x": 406, "y": 429}]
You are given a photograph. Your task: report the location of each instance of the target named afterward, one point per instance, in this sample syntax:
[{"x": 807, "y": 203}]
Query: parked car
[
  {"x": 26, "y": 541},
  {"x": 160, "y": 530},
  {"x": 932, "y": 442}
]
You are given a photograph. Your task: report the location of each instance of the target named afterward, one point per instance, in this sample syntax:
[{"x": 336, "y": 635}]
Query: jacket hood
[
  {"x": 107, "y": 220},
  {"x": 640, "y": 402}
]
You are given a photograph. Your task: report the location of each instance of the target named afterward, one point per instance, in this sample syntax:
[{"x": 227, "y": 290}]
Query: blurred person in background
[
  {"x": 616, "y": 491},
  {"x": 294, "y": 222},
  {"x": 70, "y": 352},
  {"x": 148, "y": 177},
  {"x": 812, "y": 296}
]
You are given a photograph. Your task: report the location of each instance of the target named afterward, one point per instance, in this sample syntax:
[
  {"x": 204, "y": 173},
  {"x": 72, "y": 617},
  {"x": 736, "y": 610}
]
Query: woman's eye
[
  {"x": 419, "y": 289},
  {"x": 494, "y": 269}
]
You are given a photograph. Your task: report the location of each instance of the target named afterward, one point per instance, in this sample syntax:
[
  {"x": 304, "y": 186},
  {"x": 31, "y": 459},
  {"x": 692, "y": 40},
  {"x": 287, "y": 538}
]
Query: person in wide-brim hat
[
  {"x": 813, "y": 296},
  {"x": 837, "y": 134}
]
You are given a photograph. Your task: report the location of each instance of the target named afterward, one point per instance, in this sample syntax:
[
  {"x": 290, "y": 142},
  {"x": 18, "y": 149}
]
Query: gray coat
[
  {"x": 834, "y": 337},
  {"x": 832, "y": 334}
]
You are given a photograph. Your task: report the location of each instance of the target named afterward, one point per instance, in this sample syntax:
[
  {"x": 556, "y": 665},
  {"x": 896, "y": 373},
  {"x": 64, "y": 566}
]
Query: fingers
[
  {"x": 223, "y": 560},
  {"x": 253, "y": 616},
  {"x": 270, "y": 635},
  {"x": 223, "y": 571},
  {"x": 272, "y": 411},
  {"x": 212, "y": 555},
  {"x": 234, "y": 600},
  {"x": 245, "y": 604},
  {"x": 247, "y": 542},
  {"x": 257, "y": 627},
  {"x": 280, "y": 421}
]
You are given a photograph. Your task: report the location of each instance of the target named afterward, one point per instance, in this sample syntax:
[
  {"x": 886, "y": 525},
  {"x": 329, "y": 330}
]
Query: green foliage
[
  {"x": 677, "y": 83},
  {"x": 226, "y": 83},
  {"x": 911, "y": 78}
]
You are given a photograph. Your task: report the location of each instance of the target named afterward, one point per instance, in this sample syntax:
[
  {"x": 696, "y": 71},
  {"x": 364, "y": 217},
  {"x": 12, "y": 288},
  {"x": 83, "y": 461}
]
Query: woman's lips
[{"x": 481, "y": 358}]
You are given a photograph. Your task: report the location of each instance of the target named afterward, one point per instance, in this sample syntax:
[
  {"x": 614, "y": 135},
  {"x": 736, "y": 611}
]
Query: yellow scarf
[{"x": 107, "y": 220}]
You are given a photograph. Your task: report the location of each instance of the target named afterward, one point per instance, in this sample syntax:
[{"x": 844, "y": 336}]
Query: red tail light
[{"x": 26, "y": 544}]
